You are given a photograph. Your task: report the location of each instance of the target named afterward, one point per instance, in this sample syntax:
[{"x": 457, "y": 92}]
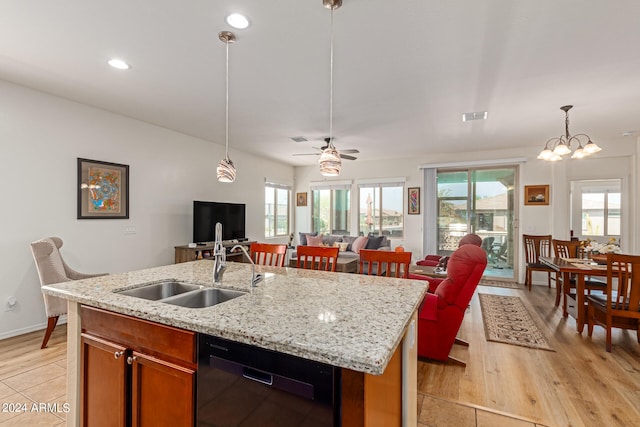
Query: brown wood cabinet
[
  {"x": 135, "y": 372},
  {"x": 184, "y": 253}
]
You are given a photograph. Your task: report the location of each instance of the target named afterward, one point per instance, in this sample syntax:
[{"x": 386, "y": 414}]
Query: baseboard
[{"x": 32, "y": 328}]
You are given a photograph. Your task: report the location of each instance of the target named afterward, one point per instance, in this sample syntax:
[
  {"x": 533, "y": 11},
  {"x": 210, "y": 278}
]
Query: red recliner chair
[
  {"x": 434, "y": 282},
  {"x": 441, "y": 313},
  {"x": 467, "y": 239}
]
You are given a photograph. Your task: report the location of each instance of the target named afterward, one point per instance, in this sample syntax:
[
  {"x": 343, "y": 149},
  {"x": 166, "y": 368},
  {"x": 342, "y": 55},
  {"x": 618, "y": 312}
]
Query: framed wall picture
[
  {"x": 414, "y": 201},
  {"x": 103, "y": 190},
  {"x": 536, "y": 195},
  {"x": 301, "y": 199}
]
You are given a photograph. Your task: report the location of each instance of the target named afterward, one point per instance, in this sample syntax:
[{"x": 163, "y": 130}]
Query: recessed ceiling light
[
  {"x": 478, "y": 115},
  {"x": 238, "y": 21},
  {"x": 119, "y": 64}
]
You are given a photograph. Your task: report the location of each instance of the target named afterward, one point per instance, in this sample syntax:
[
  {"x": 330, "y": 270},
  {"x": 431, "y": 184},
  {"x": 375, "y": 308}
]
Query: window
[
  {"x": 597, "y": 210},
  {"x": 276, "y": 209},
  {"x": 381, "y": 209},
  {"x": 331, "y": 208}
]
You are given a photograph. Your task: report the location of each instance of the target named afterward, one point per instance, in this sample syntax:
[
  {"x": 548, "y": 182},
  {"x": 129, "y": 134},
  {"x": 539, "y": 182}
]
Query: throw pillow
[
  {"x": 374, "y": 242},
  {"x": 303, "y": 237},
  {"x": 314, "y": 240},
  {"x": 360, "y": 243},
  {"x": 342, "y": 246},
  {"x": 330, "y": 239},
  {"x": 349, "y": 241}
]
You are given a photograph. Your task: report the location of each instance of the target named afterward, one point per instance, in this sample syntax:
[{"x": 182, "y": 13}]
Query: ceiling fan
[{"x": 344, "y": 153}]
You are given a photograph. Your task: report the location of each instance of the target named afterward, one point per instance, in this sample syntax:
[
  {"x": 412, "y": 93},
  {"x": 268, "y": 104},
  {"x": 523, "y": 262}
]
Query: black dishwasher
[{"x": 242, "y": 385}]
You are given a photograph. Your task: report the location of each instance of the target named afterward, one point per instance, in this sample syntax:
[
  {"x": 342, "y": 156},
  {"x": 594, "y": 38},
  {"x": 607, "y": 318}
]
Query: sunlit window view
[
  {"x": 381, "y": 210},
  {"x": 330, "y": 210},
  {"x": 276, "y": 216},
  {"x": 478, "y": 201},
  {"x": 600, "y": 211}
]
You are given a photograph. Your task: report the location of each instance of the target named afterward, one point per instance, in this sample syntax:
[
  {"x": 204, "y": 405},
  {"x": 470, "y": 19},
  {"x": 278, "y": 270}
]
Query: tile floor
[{"x": 33, "y": 390}]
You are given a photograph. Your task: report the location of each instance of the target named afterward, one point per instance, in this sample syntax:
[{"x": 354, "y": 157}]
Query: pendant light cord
[
  {"x": 331, "y": 83},
  {"x": 226, "y": 130}
]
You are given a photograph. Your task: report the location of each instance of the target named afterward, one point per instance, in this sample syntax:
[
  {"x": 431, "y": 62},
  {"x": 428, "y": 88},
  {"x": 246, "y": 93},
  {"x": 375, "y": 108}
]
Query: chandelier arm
[{"x": 546, "y": 146}]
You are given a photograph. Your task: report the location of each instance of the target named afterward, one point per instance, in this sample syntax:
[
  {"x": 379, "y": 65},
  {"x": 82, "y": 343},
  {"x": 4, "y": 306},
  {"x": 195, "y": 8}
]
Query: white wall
[
  {"x": 615, "y": 161},
  {"x": 41, "y": 137}
]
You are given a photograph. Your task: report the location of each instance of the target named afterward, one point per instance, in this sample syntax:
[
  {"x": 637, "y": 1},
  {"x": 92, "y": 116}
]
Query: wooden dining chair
[
  {"x": 268, "y": 254},
  {"x": 317, "y": 258},
  {"x": 534, "y": 248},
  {"x": 385, "y": 263},
  {"x": 621, "y": 308},
  {"x": 565, "y": 249},
  {"x": 572, "y": 249}
]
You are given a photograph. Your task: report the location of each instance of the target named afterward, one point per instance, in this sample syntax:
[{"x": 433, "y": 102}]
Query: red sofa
[{"x": 441, "y": 313}]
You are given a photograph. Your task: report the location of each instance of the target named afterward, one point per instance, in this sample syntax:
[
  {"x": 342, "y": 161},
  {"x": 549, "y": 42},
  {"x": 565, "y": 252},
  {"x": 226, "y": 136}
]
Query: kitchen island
[{"x": 359, "y": 323}]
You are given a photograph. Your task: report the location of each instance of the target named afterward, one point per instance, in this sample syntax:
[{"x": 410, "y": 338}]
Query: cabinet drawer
[{"x": 169, "y": 343}]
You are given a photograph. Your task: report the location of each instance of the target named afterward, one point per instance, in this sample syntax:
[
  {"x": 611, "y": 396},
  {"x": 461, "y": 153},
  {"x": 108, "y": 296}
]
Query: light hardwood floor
[
  {"x": 579, "y": 384},
  {"x": 502, "y": 385}
]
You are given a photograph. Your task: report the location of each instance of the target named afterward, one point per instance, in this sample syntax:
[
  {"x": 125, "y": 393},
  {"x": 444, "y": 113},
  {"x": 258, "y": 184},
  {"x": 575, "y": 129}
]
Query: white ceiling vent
[
  {"x": 478, "y": 115},
  {"x": 299, "y": 139}
]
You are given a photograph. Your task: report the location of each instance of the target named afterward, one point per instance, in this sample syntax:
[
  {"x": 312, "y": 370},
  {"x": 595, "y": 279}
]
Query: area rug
[
  {"x": 500, "y": 284},
  {"x": 507, "y": 320}
]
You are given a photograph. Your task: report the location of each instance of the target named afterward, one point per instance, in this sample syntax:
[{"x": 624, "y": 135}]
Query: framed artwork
[
  {"x": 536, "y": 195},
  {"x": 414, "y": 201},
  {"x": 103, "y": 190},
  {"x": 301, "y": 199}
]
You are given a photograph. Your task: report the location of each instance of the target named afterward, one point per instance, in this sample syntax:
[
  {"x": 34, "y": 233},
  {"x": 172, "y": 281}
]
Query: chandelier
[
  {"x": 555, "y": 148},
  {"x": 226, "y": 171},
  {"x": 330, "y": 162}
]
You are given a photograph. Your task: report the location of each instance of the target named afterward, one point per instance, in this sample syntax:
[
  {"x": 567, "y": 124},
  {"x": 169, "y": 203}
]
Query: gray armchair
[{"x": 52, "y": 269}]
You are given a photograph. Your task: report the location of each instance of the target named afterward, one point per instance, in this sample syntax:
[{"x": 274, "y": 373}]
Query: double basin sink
[{"x": 182, "y": 294}]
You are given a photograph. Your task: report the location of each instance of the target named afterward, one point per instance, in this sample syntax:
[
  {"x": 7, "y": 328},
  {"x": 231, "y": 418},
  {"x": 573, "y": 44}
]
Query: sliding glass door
[{"x": 479, "y": 201}]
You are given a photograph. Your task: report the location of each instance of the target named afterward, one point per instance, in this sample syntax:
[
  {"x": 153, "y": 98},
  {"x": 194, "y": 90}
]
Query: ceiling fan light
[
  {"x": 554, "y": 158},
  {"x": 226, "y": 171},
  {"x": 330, "y": 162},
  {"x": 561, "y": 149},
  {"x": 591, "y": 147}
]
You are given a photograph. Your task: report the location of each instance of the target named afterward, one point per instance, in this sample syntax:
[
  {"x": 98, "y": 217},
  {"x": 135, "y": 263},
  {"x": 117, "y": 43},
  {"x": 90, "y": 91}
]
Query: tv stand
[{"x": 205, "y": 250}]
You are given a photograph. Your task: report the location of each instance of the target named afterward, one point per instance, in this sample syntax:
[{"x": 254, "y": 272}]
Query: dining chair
[
  {"x": 317, "y": 258},
  {"x": 52, "y": 269},
  {"x": 564, "y": 249},
  {"x": 268, "y": 254},
  {"x": 618, "y": 308},
  {"x": 534, "y": 248},
  {"x": 385, "y": 263},
  {"x": 572, "y": 249}
]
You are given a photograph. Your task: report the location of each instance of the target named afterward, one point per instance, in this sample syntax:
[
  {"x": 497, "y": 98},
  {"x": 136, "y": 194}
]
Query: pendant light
[
  {"x": 562, "y": 145},
  {"x": 330, "y": 162},
  {"x": 226, "y": 171}
]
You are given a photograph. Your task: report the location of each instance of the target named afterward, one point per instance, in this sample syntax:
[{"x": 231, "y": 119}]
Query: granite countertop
[{"x": 348, "y": 320}]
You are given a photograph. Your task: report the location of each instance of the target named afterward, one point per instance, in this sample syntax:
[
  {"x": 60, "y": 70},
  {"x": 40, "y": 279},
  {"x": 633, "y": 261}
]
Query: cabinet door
[
  {"x": 163, "y": 394},
  {"x": 103, "y": 397}
]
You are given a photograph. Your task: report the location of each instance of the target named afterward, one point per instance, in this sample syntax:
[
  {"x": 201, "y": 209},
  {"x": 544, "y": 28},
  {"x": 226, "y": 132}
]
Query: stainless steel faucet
[
  {"x": 255, "y": 278},
  {"x": 219, "y": 255}
]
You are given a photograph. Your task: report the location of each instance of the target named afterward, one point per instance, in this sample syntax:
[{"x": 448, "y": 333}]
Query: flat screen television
[{"x": 207, "y": 214}]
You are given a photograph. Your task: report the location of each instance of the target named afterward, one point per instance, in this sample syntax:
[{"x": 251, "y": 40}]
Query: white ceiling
[{"x": 405, "y": 70}]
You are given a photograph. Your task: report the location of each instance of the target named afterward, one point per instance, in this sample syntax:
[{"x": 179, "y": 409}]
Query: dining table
[{"x": 580, "y": 268}]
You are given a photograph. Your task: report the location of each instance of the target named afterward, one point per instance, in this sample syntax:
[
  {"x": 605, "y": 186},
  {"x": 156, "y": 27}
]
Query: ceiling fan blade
[
  {"x": 306, "y": 154},
  {"x": 349, "y": 151},
  {"x": 347, "y": 157}
]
